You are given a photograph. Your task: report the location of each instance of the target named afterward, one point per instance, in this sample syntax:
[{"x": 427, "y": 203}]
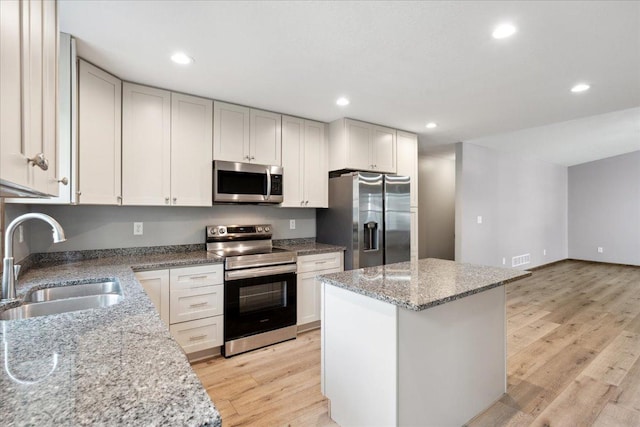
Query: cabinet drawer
[
  {"x": 199, "y": 335},
  {"x": 191, "y": 304},
  {"x": 319, "y": 262},
  {"x": 195, "y": 277}
]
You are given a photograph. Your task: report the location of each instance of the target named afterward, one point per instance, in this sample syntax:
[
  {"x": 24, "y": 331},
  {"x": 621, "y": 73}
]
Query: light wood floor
[{"x": 573, "y": 359}]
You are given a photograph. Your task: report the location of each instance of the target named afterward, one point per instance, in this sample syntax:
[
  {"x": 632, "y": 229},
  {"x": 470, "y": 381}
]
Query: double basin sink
[{"x": 64, "y": 299}]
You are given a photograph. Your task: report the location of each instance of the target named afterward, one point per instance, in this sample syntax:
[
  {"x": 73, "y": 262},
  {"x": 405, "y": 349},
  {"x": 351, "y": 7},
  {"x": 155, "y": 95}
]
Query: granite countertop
[
  {"x": 112, "y": 366},
  {"x": 425, "y": 283},
  {"x": 306, "y": 246}
]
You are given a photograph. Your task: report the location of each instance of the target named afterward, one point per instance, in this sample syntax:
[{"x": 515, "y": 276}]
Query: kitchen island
[{"x": 414, "y": 343}]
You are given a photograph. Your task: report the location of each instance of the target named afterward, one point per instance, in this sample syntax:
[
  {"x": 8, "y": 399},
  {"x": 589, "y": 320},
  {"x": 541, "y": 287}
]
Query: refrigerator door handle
[{"x": 371, "y": 236}]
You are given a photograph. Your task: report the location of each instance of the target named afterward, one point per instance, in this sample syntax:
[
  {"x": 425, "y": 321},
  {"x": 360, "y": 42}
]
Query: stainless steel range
[{"x": 259, "y": 287}]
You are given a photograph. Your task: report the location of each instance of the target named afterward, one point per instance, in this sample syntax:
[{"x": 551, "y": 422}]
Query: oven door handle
[{"x": 259, "y": 272}]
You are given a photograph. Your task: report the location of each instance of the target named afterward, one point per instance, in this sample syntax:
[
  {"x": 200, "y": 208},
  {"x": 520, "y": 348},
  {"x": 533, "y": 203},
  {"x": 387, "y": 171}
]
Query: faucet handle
[{"x": 16, "y": 271}]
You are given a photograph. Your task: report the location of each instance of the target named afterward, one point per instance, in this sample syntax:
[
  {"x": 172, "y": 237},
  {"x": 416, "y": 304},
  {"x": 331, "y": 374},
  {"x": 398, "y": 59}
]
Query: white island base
[{"x": 385, "y": 365}]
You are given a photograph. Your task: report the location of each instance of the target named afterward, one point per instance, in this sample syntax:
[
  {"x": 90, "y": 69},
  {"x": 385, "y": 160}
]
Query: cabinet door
[
  {"x": 266, "y": 143},
  {"x": 13, "y": 163},
  {"x": 293, "y": 130},
  {"x": 156, "y": 285},
  {"x": 196, "y": 303},
  {"x": 358, "y": 136},
  {"x": 146, "y": 145},
  {"x": 99, "y": 136},
  {"x": 408, "y": 161},
  {"x": 308, "y": 298},
  {"x": 191, "y": 150},
  {"x": 383, "y": 149},
  {"x": 230, "y": 132},
  {"x": 47, "y": 181},
  {"x": 414, "y": 234},
  {"x": 316, "y": 168}
]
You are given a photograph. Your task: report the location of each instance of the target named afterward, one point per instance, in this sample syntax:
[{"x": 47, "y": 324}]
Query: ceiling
[{"x": 401, "y": 64}]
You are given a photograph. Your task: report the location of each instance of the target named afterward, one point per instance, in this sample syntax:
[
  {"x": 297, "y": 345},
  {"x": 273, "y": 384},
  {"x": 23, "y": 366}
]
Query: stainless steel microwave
[{"x": 246, "y": 183}]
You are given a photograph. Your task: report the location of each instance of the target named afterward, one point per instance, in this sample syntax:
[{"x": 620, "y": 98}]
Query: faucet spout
[{"x": 9, "y": 272}]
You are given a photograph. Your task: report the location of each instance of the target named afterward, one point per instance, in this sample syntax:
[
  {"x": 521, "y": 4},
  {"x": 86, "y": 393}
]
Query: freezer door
[
  {"x": 368, "y": 220},
  {"x": 397, "y": 219}
]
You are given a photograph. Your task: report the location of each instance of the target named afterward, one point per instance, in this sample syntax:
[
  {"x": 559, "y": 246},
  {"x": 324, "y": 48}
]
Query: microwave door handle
[{"x": 268, "y": 184}]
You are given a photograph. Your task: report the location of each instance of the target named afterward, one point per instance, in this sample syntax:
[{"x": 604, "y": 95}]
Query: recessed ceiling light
[
  {"x": 181, "y": 58},
  {"x": 580, "y": 87},
  {"x": 503, "y": 31},
  {"x": 431, "y": 125},
  {"x": 342, "y": 101}
]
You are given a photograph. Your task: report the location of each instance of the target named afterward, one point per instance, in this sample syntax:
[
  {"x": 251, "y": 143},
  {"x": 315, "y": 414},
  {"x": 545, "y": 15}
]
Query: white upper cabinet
[
  {"x": 361, "y": 146},
  {"x": 166, "y": 148},
  {"x": 99, "y": 136},
  {"x": 231, "y": 132},
  {"x": 28, "y": 105},
  {"x": 408, "y": 161},
  {"x": 304, "y": 160},
  {"x": 146, "y": 145},
  {"x": 245, "y": 135},
  {"x": 265, "y": 143},
  {"x": 191, "y": 150}
]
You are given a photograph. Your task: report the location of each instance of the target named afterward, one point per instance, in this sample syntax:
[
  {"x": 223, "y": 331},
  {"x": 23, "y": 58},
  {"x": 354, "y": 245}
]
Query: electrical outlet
[
  {"x": 544, "y": 252},
  {"x": 504, "y": 261},
  {"x": 479, "y": 219},
  {"x": 20, "y": 234},
  {"x": 600, "y": 249},
  {"x": 137, "y": 229},
  {"x": 292, "y": 224}
]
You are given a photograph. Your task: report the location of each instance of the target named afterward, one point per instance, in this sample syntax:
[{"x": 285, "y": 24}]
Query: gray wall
[
  {"x": 604, "y": 210},
  {"x": 523, "y": 204},
  {"x": 104, "y": 227},
  {"x": 436, "y": 210}
]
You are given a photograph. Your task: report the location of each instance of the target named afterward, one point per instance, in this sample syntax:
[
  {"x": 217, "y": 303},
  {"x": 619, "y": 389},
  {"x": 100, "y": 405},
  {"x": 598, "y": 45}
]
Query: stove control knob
[
  {"x": 222, "y": 230},
  {"x": 259, "y": 229},
  {"x": 267, "y": 229},
  {"x": 212, "y": 232}
]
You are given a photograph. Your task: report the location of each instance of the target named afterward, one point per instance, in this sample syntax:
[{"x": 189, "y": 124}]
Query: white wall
[
  {"x": 523, "y": 204},
  {"x": 104, "y": 227},
  {"x": 604, "y": 210},
  {"x": 436, "y": 210}
]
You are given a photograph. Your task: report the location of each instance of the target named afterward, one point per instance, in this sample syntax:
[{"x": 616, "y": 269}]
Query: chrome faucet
[{"x": 9, "y": 270}]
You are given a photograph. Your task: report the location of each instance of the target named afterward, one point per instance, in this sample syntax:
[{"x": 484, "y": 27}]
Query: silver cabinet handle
[
  {"x": 247, "y": 157},
  {"x": 197, "y": 337},
  {"x": 166, "y": 200},
  {"x": 39, "y": 160},
  {"x": 321, "y": 262},
  {"x": 197, "y": 277},
  {"x": 64, "y": 181},
  {"x": 200, "y": 304},
  {"x": 175, "y": 200},
  {"x": 119, "y": 198}
]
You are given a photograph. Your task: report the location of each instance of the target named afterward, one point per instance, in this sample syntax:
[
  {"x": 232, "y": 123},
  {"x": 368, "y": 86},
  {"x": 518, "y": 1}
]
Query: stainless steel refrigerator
[{"x": 369, "y": 214}]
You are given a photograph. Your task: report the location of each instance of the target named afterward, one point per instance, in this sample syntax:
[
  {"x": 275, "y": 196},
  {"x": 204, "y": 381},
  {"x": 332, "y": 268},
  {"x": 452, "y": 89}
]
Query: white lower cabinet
[
  {"x": 198, "y": 335},
  {"x": 191, "y": 302},
  {"x": 308, "y": 289}
]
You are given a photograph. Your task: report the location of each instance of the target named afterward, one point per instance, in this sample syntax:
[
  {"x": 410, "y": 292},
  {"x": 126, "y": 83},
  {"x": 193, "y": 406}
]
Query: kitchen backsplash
[{"x": 107, "y": 227}]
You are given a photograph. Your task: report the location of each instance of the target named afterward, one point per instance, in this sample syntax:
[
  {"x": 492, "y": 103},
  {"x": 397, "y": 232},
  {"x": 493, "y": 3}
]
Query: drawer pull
[
  {"x": 199, "y": 304},
  {"x": 197, "y": 277},
  {"x": 197, "y": 337},
  {"x": 321, "y": 262}
]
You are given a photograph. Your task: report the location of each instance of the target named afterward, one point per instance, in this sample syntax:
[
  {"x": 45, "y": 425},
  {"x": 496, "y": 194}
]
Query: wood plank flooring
[{"x": 573, "y": 359}]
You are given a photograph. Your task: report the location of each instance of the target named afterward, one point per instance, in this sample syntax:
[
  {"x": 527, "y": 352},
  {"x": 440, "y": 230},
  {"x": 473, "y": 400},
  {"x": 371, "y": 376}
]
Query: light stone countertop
[
  {"x": 306, "y": 246},
  {"x": 422, "y": 284},
  {"x": 112, "y": 366}
]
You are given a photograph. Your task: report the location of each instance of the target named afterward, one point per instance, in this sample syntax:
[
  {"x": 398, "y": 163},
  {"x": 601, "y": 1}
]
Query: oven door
[{"x": 256, "y": 303}]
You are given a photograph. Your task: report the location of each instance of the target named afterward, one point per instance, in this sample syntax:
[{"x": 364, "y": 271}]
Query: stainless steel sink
[
  {"x": 74, "y": 291},
  {"x": 64, "y": 299}
]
